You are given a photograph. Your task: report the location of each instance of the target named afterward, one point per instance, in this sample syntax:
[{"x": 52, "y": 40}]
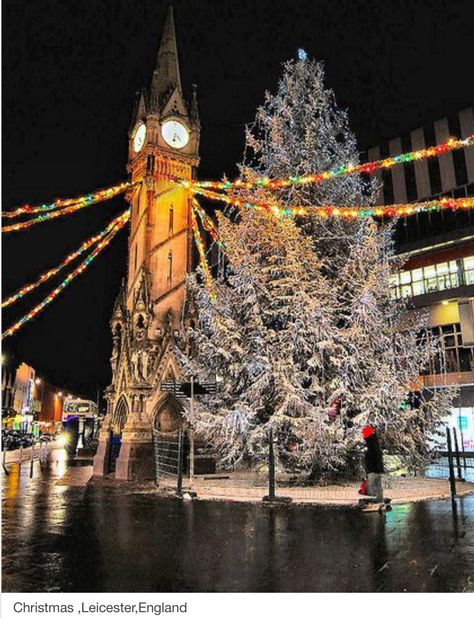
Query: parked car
[
  {"x": 10, "y": 439},
  {"x": 13, "y": 439},
  {"x": 27, "y": 440}
]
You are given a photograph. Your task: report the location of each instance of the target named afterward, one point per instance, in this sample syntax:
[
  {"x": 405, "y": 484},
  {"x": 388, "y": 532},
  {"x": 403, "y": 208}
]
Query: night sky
[{"x": 70, "y": 73}]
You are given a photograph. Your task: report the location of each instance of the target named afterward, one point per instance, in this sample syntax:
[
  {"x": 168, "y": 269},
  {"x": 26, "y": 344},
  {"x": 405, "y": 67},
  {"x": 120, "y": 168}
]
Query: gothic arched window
[
  {"x": 171, "y": 220},
  {"x": 150, "y": 164},
  {"x": 169, "y": 278}
]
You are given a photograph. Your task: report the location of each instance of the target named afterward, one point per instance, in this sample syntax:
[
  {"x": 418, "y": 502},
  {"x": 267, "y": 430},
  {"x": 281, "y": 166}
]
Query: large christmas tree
[
  {"x": 304, "y": 333},
  {"x": 268, "y": 339}
]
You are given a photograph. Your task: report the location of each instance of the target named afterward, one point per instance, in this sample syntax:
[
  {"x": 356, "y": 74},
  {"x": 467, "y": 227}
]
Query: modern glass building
[{"x": 437, "y": 251}]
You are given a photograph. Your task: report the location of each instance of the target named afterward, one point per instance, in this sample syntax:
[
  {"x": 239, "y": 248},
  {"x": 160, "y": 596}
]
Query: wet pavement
[{"x": 100, "y": 537}]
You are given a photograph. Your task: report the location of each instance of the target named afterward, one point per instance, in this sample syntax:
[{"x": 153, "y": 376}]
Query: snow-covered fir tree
[
  {"x": 299, "y": 131},
  {"x": 267, "y": 338},
  {"x": 304, "y": 332}
]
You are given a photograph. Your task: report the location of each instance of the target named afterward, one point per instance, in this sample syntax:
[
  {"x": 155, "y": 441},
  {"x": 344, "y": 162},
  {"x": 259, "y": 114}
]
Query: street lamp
[{"x": 38, "y": 381}]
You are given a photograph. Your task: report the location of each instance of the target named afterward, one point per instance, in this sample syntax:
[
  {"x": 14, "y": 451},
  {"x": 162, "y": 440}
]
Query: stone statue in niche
[
  {"x": 141, "y": 365},
  {"x": 140, "y": 328}
]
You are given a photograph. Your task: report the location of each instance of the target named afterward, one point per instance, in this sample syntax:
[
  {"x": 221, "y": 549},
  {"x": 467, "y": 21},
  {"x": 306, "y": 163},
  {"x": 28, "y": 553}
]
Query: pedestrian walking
[{"x": 373, "y": 463}]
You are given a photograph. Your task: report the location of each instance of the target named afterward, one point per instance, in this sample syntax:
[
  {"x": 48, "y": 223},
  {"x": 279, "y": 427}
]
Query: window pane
[
  {"x": 405, "y": 277},
  {"x": 431, "y": 285},
  {"x": 469, "y": 276},
  {"x": 451, "y": 361},
  {"x": 442, "y": 268},
  {"x": 417, "y": 274},
  {"x": 449, "y": 341},
  {"x": 464, "y": 359},
  {"x": 430, "y": 271},
  {"x": 468, "y": 263},
  {"x": 418, "y": 288},
  {"x": 448, "y": 328}
]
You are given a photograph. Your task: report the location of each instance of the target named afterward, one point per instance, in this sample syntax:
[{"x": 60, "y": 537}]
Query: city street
[{"x": 121, "y": 537}]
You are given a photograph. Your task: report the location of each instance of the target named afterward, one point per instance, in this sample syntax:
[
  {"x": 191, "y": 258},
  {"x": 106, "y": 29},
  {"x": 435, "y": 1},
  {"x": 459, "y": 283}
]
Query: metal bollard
[
  {"x": 458, "y": 460},
  {"x": 271, "y": 467},
  {"x": 32, "y": 460},
  {"x": 452, "y": 481},
  {"x": 4, "y": 462},
  {"x": 272, "y": 497},
  {"x": 179, "y": 480},
  {"x": 21, "y": 454}
]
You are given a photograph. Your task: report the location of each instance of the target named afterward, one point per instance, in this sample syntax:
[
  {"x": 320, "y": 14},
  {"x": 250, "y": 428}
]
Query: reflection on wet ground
[{"x": 113, "y": 538}]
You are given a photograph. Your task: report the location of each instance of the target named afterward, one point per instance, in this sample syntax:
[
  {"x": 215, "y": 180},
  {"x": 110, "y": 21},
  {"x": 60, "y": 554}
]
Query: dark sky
[{"x": 70, "y": 74}]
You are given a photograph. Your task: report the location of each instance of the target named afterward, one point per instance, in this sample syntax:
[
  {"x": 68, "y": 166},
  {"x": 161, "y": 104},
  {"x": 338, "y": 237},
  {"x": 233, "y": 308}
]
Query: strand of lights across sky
[
  {"x": 341, "y": 170},
  {"x": 90, "y": 198},
  {"x": 65, "y": 210},
  {"x": 202, "y": 258},
  {"x": 347, "y": 212},
  {"x": 72, "y": 275},
  {"x": 70, "y": 258}
]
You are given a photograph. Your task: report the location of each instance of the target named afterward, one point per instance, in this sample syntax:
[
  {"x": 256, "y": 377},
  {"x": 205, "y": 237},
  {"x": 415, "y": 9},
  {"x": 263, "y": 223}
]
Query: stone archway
[
  {"x": 168, "y": 416},
  {"x": 119, "y": 416}
]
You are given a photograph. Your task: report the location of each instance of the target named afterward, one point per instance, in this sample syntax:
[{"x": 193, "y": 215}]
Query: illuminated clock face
[
  {"x": 175, "y": 134},
  {"x": 139, "y": 137}
]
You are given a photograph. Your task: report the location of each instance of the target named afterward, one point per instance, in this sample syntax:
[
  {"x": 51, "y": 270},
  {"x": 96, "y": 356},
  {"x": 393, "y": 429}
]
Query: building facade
[
  {"x": 29, "y": 403},
  {"x": 437, "y": 249},
  {"x": 149, "y": 311},
  {"x": 52, "y": 403}
]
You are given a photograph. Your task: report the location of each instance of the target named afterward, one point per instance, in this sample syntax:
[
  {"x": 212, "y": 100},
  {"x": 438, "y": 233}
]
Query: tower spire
[{"x": 166, "y": 76}]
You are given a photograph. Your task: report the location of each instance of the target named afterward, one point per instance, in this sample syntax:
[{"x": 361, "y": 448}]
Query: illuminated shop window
[
  {"x": 462, "y": 420},
  {"x": 434, "y": 278},
  {"x": 468, "y": 267}
]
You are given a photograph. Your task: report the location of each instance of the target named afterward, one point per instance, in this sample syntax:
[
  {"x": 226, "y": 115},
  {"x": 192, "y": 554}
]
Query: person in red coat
[{"x": 373, "y": 463}]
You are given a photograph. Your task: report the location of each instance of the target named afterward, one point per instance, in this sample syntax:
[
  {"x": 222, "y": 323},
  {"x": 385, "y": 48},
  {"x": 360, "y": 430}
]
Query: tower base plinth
[
  {"x": 136, "y": 459},
  {"x": 102, "y": 456}
]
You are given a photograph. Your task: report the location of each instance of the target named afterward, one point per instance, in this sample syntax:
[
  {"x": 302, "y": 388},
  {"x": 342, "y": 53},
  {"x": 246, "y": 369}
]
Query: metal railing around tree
[{"x": 168, "y": 455}]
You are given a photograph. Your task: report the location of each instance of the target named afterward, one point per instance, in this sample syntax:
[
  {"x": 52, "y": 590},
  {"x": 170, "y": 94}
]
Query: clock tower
[{"x": 150, "y": 310}]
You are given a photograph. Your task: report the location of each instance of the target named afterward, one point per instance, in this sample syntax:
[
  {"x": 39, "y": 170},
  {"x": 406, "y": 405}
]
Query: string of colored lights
[
  {"x": 61, "y": 212},
  {"x": 348, "y": 212},
  {"x": 341, "y": 170},
  {"x": 91, "y": 198},
  {"x": 72, "y": 275},
  {"x": 208, "y": 280},
  {"x": 207, "y": 223},
  {"x": 70, "y": 258}
]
